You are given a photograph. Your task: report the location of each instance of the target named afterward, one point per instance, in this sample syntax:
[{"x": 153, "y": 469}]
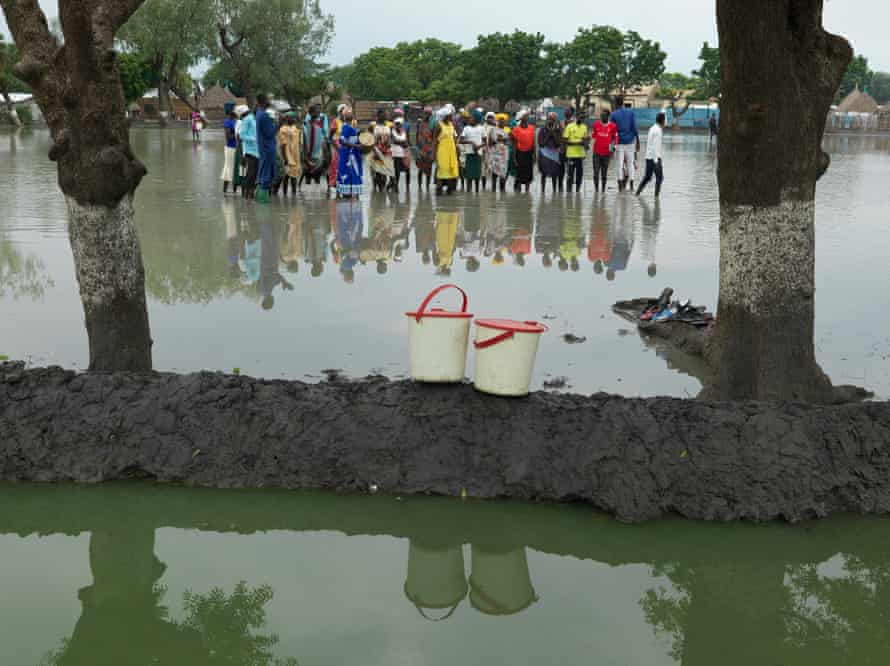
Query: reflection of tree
[
  {"x": 20, "y": 275},
  {"x": 123, "y": 620},
  {"x": 729, "y": 613},
  {"x": 226, "y": 625},
  {"x": 843, "y": 619}
]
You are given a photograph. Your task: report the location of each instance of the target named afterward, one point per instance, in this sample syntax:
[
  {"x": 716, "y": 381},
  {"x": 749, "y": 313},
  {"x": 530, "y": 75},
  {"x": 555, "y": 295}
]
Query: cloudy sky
[{"x": 680, "y": 25}]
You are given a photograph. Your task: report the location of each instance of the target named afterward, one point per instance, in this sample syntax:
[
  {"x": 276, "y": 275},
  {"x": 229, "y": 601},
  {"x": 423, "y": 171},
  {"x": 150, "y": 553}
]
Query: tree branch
[
  {"x": 110, "y": 15},
  {"x": 32, "y": 35}
]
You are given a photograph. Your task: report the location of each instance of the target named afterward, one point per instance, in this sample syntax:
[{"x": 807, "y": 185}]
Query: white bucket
[
  {"x": 505, "y": 355},
  {"x": 438, "y": 340}
]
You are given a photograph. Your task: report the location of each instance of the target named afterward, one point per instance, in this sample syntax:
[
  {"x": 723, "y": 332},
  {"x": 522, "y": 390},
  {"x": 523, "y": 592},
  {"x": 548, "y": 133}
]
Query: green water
[{"x": 141, "y": 574}]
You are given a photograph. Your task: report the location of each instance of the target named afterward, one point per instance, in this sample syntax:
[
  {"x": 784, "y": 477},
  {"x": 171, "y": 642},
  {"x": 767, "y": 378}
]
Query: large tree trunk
[
  {"x": 165, "y": 107},
  {"x": 780, "y": 69},
  {"x": 77, "y": 86}
]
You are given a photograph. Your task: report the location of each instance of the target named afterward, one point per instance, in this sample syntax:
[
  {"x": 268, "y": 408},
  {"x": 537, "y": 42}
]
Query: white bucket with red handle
[
  {"x": 438, "y": 340},
  {"x": 505, "y": 355}
]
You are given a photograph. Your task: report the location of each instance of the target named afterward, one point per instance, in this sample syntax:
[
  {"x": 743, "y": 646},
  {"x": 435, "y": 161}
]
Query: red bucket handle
[
  {"x": 432, "y": 295},
  {"x": 491, "y": 342}
]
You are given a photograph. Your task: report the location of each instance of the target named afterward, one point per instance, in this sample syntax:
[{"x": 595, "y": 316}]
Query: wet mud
[{"x": 633, "y": 458}]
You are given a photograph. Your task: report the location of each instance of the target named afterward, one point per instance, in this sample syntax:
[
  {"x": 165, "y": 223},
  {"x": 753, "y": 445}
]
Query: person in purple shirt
[{"x": 628, "y": 143}]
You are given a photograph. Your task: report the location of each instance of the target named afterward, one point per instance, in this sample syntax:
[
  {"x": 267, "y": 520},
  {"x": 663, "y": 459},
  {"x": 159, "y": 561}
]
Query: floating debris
[
  {"x": 332, "y": 374},
  {"x": 556, "y": 383},
  {"x": 572, "y": 339}
]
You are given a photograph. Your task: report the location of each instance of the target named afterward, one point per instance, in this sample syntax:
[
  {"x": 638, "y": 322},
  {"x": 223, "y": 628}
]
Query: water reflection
[
  {"x": 727, "y": 594},
  {"x": 377, "y": 234},
  {"x": 124, "y": 620}
]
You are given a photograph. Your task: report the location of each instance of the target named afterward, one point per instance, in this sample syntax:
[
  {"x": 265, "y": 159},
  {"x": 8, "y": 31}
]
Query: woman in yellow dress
[
  {"x": 289, "y": 144},
  {"x": 447, "y": 165}
]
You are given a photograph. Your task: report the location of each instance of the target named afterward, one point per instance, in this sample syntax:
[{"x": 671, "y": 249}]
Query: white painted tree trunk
[
  {"x": 108, "y": 264},
  {"x": 767, "y": 302}
]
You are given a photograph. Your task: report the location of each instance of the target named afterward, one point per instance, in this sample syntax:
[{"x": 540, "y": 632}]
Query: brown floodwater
[{"x": 211, "y": 264}]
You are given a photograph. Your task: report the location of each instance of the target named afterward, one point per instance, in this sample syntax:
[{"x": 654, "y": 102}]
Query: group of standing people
[{"x": 451, "y": 150}]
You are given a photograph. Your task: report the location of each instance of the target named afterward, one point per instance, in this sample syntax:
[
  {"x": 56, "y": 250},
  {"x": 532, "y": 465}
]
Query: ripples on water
[{"x": 211, "y": 265}]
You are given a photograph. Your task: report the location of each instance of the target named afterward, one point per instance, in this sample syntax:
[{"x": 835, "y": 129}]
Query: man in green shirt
[{"x": 575, "y": 137}]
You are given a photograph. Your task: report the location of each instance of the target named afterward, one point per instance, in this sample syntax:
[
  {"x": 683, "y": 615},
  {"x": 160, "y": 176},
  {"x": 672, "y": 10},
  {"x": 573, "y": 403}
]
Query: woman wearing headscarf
[
  {"x": 549, "y": 143},
  {"x": 334, "y": 140},
  {"x": 315, "y": 144},
  {"x": 381, "y": 161},
  {"x": 401, "y": 156},
  {"x": 447, "y": 164},
  {"x": 267, "y": 138},
  {"x": 523, "y": 136},
  {"x": 425, "y": 147},
  {"x": 497, "y": 152},
  {"x": 349, "y": 169},
  {"x": 289, "y": 142}
]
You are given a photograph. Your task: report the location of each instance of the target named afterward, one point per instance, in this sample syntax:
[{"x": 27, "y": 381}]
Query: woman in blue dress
[{"x": 350, "y": 171}]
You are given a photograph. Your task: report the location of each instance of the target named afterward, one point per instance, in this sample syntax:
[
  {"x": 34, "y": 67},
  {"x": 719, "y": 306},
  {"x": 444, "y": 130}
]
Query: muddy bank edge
[{"x": 634, "y": 458}]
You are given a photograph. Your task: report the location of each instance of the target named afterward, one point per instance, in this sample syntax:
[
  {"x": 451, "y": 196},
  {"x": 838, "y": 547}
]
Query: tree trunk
[
  {"x": 165, "y": 108},
  {"x": 77, "y": 85},
  {"x": 780, "y": 70},
  {"x": 108, "y": 264}
]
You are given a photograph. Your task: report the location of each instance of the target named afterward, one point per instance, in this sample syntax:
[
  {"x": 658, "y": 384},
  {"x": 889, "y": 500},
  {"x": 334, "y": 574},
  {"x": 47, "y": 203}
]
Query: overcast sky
[{"x": 680, "y": 25}]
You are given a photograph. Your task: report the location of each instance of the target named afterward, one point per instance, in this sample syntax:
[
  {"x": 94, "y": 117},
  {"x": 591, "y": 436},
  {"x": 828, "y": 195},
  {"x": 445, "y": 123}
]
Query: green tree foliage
[
  {"x": 271, "y": 46},
  {"x": 9, "y": 56},
  {"x": 291, "y": 47},
  {"x": 137, "y": 75},
  {"x": 506, "y": 65},
  {"x": 880, "y": 87},
  {"x": 642, "y": 61},
  {"x": 222, "y": 73},
  {"x": 709, "y": 71},
  {"x": 591, "y": 62},
  {"x": 858, "y": 74},
  {"x": 171, "y": 36},
  {"x": 380, "y": 74}
]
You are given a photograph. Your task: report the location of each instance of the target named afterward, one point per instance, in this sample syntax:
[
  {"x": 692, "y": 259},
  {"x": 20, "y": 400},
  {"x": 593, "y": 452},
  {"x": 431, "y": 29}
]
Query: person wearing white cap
[
  {"x": 400, "y": 152},
  {"x": 239, "y": 174}
]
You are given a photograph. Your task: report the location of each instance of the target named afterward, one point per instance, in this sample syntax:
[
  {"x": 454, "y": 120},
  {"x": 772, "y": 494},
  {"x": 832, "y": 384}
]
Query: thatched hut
[{"x": 858, "y": 102}]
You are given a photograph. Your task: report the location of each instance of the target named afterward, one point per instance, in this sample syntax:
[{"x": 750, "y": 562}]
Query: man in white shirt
[
  {"x": 400, "y": 149},
  {"x": 654, "y": 155}
]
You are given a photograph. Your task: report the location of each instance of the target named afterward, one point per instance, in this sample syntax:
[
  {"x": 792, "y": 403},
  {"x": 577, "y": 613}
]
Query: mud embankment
[{"x": 634, "y": 458}]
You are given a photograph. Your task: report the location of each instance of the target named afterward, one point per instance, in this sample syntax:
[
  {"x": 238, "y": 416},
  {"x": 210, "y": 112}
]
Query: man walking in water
[
  {"x": 654, "y": 155},
  {"x": 628, "y": 142}
]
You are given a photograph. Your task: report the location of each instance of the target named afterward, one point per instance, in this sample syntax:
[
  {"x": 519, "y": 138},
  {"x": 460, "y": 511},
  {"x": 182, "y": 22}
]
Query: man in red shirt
[{"x": 605, "y": 136}]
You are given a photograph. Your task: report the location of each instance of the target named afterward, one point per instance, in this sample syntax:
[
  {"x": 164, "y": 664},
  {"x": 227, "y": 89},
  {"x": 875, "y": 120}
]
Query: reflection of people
[
  {"x": 446, "y": 237},
  {"x": 350, "y": 226},
  {"x": 622, "y": 239},
  {"x": 270, "y": 276},
  {"x": 315, "y": 233},
  {"x": 521, "y": 242},
  {"x": 471, "y": 243},
  {"x": 572, "y": 241},
  {"x": 424, "y": 230},
  {"x": 292, "y": 242},
  {"x": 649, "y": 233},
  {"x": 547, "y": 229},
  {"x": 599, "y": 245}
]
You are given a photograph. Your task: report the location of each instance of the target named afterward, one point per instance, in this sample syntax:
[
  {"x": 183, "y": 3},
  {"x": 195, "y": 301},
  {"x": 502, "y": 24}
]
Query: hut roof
[
  {"x": 858, "y": 102},
  {"x": 216, "y": 97}
]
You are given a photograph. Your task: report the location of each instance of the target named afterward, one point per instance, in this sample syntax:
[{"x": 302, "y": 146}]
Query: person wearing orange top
[{"x": 523, "y": 137}]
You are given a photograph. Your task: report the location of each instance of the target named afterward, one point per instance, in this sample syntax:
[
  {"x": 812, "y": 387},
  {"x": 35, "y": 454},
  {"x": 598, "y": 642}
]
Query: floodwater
[
  {"x": 146, "y": 574},
  {"x": 350, "y": 272},
  {"x": 141, "y": 574}
]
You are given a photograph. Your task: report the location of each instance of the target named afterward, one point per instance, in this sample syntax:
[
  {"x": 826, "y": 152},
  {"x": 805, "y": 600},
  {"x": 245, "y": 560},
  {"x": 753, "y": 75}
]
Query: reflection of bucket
[
  {"x": 438, "y": 341},
  {"x": 500, "y": 583},
  {"x": 436, "y": 578},
  {"x": 505, "y": 355}
]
